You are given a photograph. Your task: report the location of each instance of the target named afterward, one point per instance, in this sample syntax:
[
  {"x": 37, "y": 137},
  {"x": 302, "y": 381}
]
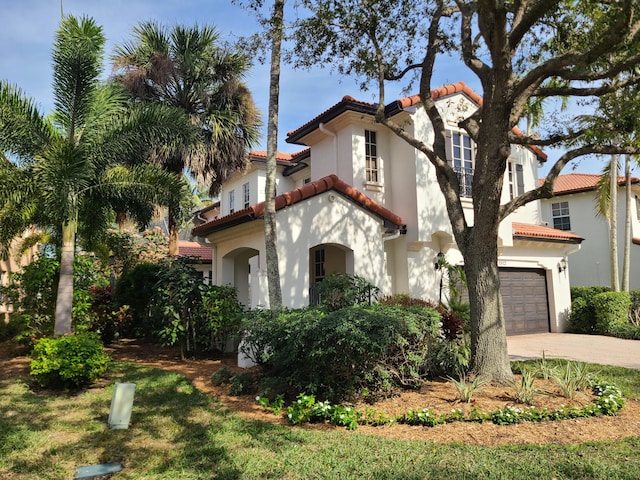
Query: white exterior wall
[
  {"x": 409, "y": 188},
  {"x": 327, "y": 218},
  {"x": 591, "y": 266}
]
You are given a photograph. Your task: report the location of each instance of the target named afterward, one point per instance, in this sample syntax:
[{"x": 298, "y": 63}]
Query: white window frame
[
  {"x": 462, "y": 158},
  {"x": 516, "y": 179},
  {"x": 371, "y": 158},
  {"x": 561, "y": 216},
  {"x": 232, "y": 201},
  {"x": 246, "y": 195}
]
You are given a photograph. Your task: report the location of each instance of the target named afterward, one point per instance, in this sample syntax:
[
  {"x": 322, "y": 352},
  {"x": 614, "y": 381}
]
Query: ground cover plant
[{"x": 177, "y": 431}]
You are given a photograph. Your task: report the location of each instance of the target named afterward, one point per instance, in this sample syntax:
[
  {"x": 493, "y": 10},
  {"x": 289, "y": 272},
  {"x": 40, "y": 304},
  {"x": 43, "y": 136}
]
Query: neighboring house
[
  {"x": 362, "y": 201},
  {"x": 13, "y": 264},
  {"x": 200, "y": 255},
  {"x": 573, "y": 208}
]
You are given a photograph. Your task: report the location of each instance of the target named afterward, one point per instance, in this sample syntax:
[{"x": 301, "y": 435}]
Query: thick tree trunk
[
  {"x": 64, "y": 300},
  {"x": 270, "y": 239},
  {"x": 489, "y": 353}
]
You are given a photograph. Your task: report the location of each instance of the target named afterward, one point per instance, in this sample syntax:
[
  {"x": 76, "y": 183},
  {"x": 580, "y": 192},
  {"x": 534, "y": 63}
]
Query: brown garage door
[{"x": 524, "y": 296}]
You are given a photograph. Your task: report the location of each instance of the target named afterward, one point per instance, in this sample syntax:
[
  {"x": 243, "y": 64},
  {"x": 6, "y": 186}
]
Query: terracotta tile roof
[
  {"x": 636, "y": 240},
  {"x": 195, "y": 249},
  {"x": 330, "y": 182},
  {"x": 580, "y": 182},
  {"x": 350, "y": 103},
  {"x": 280, "y": 156},
  {"x": 462, "y": 87},
  {"x": 537, "y": 232}
]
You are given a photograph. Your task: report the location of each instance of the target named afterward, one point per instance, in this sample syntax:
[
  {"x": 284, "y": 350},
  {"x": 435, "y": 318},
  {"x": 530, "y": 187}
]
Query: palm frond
[
  {"x": 23, "y": 129},
  {"x": 77, "y": 57}
]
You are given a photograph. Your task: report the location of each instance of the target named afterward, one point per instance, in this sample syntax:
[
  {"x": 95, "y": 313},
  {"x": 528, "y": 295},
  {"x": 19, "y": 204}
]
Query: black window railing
[{"x": 465, "y": 180}]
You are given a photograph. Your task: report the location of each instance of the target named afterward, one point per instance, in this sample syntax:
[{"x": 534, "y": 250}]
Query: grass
[{"x": 177, "y": 432}]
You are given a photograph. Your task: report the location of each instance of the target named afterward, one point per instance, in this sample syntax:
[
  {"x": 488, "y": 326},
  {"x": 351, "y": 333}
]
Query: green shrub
[
  {"x": 221, "y": 318},
  {"x": 363, "y": 350},
  {"x": 627, "y": 331},
  {"x": 70, "y": 361},
  {"x": 448, "y": 357},
  {"x": 611, "y": 309},
  {"x": 221, "y": 376},
  {"x": 339, "y": 290},
  {"x": 634, "y": 310},
  {"x": 242, "y": 384},
  {"x": 135, "y": 288},
  {"x": 582, "y": 318}
]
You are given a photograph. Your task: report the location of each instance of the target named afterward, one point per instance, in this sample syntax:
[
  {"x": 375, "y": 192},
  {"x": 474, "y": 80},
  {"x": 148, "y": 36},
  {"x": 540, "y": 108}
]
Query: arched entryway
[
  {"x": 239, "y": 268},
  {"x": 324, "y": 260}
]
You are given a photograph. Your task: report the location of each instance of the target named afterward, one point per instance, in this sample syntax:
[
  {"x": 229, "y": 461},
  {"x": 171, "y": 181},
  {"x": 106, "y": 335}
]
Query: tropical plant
[
  {"x": 70, "y": 361},
  {"x": 66, "y": 170},
  {"x": 186, "y": 68}
]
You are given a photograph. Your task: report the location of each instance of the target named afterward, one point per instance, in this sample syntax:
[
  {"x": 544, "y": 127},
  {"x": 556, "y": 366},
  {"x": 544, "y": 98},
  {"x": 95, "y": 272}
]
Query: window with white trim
[
  {"x": 462, "y": 160},
  {"x": 232, "y": 201},
  {"x": 319, "y": 263},
  {"x": 516, "y": 179},
  {"x": 371, "y": 157},
  {"x": 246, "y": 195},
  {"x": 638, "y": 208},
  {"x": 560, "y": 215}
]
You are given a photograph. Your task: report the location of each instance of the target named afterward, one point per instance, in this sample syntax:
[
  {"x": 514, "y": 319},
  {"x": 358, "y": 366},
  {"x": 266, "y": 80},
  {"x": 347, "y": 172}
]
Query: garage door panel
[{"x": 524, "y": 297}]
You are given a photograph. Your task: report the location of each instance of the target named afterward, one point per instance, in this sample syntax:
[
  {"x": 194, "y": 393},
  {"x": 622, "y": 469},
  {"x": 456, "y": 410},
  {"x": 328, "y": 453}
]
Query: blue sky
[{"x": 28, "y": 29}]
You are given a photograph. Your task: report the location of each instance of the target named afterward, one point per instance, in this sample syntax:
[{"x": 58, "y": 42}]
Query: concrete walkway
[{"x": 585, "y": 348}]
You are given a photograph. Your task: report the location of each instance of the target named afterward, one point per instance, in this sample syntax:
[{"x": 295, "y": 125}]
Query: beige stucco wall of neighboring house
[
  {"x": 591, "y": 265},
  {"x": 12, "y": 265}
]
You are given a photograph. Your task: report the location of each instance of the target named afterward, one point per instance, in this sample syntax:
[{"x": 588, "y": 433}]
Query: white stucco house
[
  {"x": 359, "y": 200},
  {"x": 573, "y": 209}
]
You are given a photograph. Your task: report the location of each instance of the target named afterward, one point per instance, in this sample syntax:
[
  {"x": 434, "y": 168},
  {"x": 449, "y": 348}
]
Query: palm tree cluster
[
  {"x": 183, "y": 67},
  {"x": 114, "y": 150}
]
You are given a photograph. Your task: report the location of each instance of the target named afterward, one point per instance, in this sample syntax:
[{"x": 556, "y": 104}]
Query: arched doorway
[{"x": 240, "y": 269}]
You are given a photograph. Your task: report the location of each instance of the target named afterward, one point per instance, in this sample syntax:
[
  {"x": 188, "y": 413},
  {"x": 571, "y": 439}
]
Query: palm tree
[
  {"x": 64, "y": 170},
  {"x": 184, "y": 68}
]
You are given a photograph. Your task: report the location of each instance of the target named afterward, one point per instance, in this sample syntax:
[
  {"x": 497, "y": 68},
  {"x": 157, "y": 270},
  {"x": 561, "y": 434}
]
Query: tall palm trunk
[
  {"x": 626, "y": 262},
  {"x": 613, "y": 224},
  {"x": 64, "y": 301},
  {"x": 270, "y": 233}
]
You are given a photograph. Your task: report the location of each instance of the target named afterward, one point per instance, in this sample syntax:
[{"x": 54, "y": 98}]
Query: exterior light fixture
[
  {"x": 562, "y": 266},
  {"x": 437, "y": 265}
]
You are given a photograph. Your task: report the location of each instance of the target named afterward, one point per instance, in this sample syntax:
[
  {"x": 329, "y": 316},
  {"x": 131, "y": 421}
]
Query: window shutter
[
  {"x": 448, "y": 147},
  {"x": 519, "y": 179}
]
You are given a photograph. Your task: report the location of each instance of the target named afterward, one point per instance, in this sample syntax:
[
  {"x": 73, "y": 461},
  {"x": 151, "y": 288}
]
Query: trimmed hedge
[
  {"x": 611, "y": 310},
  {"x": 583, "y": 316}
]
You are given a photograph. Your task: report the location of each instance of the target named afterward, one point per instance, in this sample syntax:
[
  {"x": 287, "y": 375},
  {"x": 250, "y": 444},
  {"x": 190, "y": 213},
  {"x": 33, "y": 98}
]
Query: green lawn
[{"x": 179, "y": 433}]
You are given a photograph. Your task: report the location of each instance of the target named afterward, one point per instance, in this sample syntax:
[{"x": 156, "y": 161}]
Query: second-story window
[
  {"x": 246, "y": 195},
  {"x": 371, "y": 156},
  {"x": 560, "y": 215},
  {"x": 463, "y": 152},
  {"x": 232, "y": 201},
  {"x": 516, "y": 180}
]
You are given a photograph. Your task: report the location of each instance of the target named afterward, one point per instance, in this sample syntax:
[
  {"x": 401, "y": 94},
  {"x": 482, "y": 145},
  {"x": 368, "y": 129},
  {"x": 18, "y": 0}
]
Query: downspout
[
  {"x": 571, "y": 251},
  {"x": 393, "y": 236}
]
